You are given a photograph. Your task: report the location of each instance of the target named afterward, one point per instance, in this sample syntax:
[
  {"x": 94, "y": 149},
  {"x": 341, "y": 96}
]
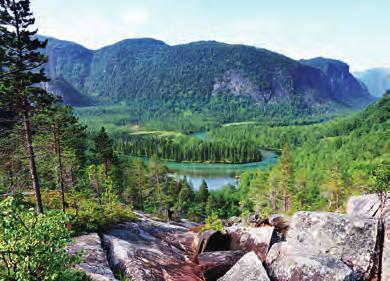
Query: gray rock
[
  {"x": 248, "y": 268},
  {"x": 248, "y": 239},
  {"x": 290, "y": 263},
  {"x": 386, "y": 251},
  {"x": 216, "y": 264},
  {"x": 353, "y": 240},
  {"x": 368, "y": 205},
  {"x": 233, "y": 221},
  {"x": 94, "y": 261},
  {"x": 256, "y": 220}
]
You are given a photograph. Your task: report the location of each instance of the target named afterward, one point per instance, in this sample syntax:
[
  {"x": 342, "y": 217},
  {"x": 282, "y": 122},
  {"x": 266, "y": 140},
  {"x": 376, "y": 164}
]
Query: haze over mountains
[
  {"x": 377, "y": 80},
  {"x": 200, "y": 76}
]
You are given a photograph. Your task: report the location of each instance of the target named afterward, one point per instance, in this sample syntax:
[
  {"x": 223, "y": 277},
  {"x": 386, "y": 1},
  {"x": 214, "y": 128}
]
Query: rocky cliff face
[{"x": 308, "y": 246}]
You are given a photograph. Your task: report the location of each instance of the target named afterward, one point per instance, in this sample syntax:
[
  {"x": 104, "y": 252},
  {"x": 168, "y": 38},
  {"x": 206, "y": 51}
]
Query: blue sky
[{"x": 355, "y": 31}]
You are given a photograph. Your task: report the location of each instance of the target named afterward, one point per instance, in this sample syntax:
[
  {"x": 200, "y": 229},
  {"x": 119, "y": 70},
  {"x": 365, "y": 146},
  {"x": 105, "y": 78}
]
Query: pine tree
[
  {"x": 103, "y": 150},
  {"x": 286, "y": 179},
  {"x": 21, "y": 71},
  {"x": 203, "y": 193}
]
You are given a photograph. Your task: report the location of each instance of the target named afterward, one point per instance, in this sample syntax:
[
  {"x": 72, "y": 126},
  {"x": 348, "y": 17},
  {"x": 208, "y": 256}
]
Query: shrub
[{"x": 32, "y": 246}]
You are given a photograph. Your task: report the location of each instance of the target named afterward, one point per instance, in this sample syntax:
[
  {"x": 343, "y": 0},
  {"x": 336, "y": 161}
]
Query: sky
[{"x": 354, "y": 31}]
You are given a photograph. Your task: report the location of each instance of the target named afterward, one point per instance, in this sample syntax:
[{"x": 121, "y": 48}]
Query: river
[{"x": 217, "y": 175}]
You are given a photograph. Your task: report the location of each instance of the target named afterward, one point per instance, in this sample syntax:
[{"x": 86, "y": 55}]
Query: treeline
[{"x": 189, "y": 149}]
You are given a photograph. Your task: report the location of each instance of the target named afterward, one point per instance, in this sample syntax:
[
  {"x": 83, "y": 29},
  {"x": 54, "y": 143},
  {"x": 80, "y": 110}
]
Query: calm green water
[{"x": 218, "y": 175}]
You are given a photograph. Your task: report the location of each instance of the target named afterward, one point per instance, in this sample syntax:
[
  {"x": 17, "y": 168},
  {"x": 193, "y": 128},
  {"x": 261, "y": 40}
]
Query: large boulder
[
  {"x": 353, "y": 240},
  {"x": 386, "y": 251},
  {"x": 216, "y": 264},
  {"x": 368, "y": 205},
  {"x": 248, "y": 268},
  {"x": 150, "y": 250},
  {"x": 212, "y": 240},
  {"x": 94, "y": 262},
  {"x": 248, "y": 239},
  {"x": 287, "y": 262}
]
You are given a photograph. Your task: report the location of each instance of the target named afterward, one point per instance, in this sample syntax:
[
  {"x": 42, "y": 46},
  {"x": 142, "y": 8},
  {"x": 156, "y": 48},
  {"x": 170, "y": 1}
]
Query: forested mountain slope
[
  {"x": 235, "y": 82},
  {"x": 335, "y": 157}
]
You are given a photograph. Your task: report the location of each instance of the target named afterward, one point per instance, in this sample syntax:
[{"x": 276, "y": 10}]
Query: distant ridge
[{"x": 202, "y": 76}]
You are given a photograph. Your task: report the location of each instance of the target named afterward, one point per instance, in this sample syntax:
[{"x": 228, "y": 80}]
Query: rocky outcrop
[
  {"x": 290, "y": 262},
  {"x": 248, "y": 239},
  {"x": 371, "y": 205},
  {"x": 216, "y": 264},
  {"x": 147, "y": 250},
  {"x": 315, "y": 246},
  {"x": 248, "y": 268},
  {"x": 351, "y": 239},
  {"x": 211, "y": 240},
  {"x": 94, "y": 262}
]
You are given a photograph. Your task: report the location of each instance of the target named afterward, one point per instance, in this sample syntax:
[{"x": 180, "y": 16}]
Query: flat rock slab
[
  {"x": 95, "y": 263},
  {"x": 287, "y": 263},
  {"x": 152, "y": 249},
  {"x": 248, "y": 268},
  {"x": 215, "y": 264},
  {"x": 353, "y": 240},
  {"x": 247, "y": 239}
]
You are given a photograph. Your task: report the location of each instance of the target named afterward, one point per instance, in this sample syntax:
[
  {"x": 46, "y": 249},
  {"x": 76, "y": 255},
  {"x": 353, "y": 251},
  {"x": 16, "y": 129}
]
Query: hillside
[
  {"x": 208, "y": 78},
  {"x": 376, "y": 79}
]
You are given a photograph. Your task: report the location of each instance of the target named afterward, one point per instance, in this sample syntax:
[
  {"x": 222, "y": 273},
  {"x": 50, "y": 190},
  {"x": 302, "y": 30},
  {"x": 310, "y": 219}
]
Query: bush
[
  {"x": 32, "y": 246},
  {"x": 213, "y": 223}
]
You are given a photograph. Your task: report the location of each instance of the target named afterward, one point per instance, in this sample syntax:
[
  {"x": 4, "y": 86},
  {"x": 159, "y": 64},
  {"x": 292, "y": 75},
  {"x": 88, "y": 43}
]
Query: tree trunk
[
  {"x": 31, "y": 161},
  {"x": 106, "y": 168},
  {"x": 273, "y": 198},
  {"x": 285, "y": 200},
  {"x": 60, "y": 173},
  {"x": 95, "y": 182}
]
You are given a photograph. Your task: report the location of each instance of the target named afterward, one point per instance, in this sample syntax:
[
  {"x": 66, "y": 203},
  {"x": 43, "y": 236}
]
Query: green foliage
[
  {"x": 188, "y": 149},
  {"x": 32, "y": 247},
  {"x": 327, "y": 163},
  {"x": 212, "y": 222}
]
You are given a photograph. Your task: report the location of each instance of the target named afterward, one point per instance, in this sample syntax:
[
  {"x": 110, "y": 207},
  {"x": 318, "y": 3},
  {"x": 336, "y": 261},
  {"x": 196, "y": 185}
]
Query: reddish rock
[
  {"x": 248, "y": 239},
  {"x": 279, "y": 221},
  {"x": 152, "y": 250},
  {"x": 215, "y": 264}
]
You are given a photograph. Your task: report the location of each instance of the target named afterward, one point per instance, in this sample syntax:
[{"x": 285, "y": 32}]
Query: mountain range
[
  {"x": 239, "y": 81},
  {"x": 377, "y": 80}
]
